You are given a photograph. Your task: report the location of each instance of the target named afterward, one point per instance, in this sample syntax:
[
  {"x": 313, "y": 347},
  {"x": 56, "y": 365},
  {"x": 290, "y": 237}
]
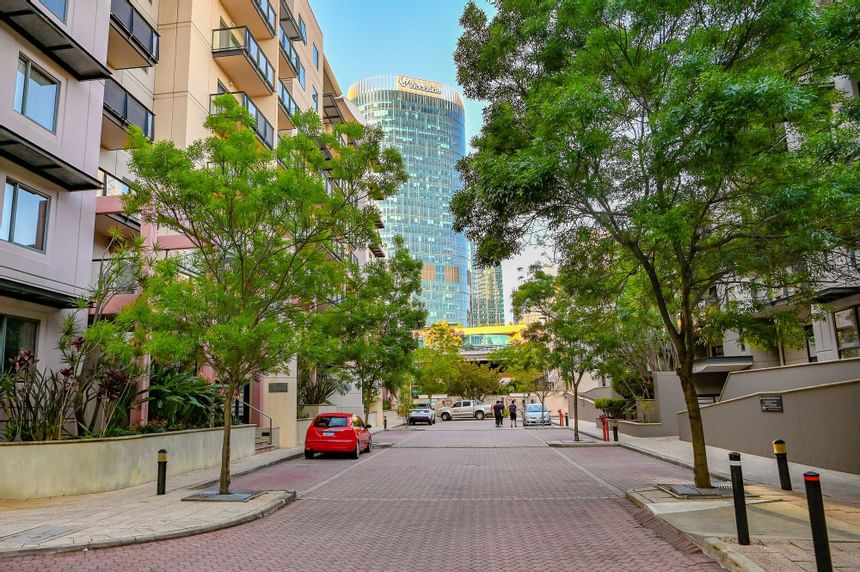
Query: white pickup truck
[{"x": 466, "y": 409}]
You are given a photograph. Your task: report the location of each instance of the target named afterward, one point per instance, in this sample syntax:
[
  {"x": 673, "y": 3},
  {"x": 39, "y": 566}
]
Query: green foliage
[
  {"x": 442, "y": 337},
  {"x": 699, "y": 138},
  {"x": 475, "y": 381},
  {"x": 264, "y": 226},
  {"x": 182, "y": 399},
  {"x": 373, "y": 326},
  {"x": 436, "y": 370},
  {"x": 317, "y": 382},
  {"x": 404, "y": 404},
  {"x": 611, "y": 406}
]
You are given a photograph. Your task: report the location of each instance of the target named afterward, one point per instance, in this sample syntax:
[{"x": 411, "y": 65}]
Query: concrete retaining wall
[
  {"x": 820, "y": 425},
  {"x": 61, "y": 468},
  {"x": 742, "y": 383},
  {"x": 637, "y": 429}
]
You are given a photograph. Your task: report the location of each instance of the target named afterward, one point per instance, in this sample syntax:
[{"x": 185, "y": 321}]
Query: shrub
[{"x": 611, "y": 406}]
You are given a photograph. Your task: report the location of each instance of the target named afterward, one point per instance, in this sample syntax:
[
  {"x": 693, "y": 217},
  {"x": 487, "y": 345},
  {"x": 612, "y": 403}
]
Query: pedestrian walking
[
  {"x": 512, "y": 411},
  {"x": 497, "y": 411}
]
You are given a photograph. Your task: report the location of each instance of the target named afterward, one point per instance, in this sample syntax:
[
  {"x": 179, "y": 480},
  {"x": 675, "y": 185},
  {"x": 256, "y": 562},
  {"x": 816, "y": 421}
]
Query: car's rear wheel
[
  {"x": 369, "y": 442},
  {"x": 309, "y": 454},
  {"x": 357, "y": 453},
  {"x": 446, "y": 417},
  {"x": 479, "y": 415},
  {"x": 433, "y": 422}
]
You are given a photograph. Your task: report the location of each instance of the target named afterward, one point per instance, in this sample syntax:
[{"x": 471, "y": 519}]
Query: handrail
[{"x": 261, "y": 412}]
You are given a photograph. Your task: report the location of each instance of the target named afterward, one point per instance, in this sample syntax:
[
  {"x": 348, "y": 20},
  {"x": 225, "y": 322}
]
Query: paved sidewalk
[
  {"x": 778, "y": 520},
  {"x": 135, "y": 514}
]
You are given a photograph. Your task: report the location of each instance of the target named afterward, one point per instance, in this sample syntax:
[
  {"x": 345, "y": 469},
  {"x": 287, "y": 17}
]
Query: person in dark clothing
[
  {"x": 497, "y": 411},
  {"x": 512, "y": 411}
]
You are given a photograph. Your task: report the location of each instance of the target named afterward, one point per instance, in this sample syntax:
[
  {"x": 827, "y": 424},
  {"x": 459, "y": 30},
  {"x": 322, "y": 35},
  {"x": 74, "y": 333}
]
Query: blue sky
[{"x": 362, "y": 38}]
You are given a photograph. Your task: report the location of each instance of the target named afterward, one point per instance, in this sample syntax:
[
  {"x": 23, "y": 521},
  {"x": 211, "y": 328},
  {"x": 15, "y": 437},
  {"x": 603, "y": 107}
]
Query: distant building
[
  {"x": 488, "y": 297},
  {"x": 424, "y": 120}
]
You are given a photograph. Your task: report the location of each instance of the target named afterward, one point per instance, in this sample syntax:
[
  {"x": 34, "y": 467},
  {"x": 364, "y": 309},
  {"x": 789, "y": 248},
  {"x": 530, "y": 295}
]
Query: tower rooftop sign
[{"x": 418, "y": 86}]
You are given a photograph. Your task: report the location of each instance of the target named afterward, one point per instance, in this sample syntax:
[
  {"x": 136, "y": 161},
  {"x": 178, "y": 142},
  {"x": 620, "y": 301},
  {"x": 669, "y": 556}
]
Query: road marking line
[
  {"x": 457, "y": 499},
  {"x": 598, "y": 479},
  {"x": 302, "y": 494}
]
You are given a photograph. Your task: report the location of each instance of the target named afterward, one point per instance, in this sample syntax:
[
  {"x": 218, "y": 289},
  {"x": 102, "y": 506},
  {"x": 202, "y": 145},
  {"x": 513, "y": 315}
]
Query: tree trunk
[
  {"x": 224, "y": 480},
  {"x": 701, "y": 474}
]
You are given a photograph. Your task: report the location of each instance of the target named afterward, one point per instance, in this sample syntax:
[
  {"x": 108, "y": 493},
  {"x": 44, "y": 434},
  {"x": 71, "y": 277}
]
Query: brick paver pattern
[{"x": 455, "y": 496}]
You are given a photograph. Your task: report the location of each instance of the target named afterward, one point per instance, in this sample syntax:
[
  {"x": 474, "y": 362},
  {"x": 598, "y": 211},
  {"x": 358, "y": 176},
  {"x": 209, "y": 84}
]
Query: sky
[{"x": 412, "y": 37}]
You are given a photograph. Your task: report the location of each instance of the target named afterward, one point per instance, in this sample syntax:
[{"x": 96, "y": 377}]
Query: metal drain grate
[
  {"x": 213, "y": 496},
  {"x": 690, "y": 491}
]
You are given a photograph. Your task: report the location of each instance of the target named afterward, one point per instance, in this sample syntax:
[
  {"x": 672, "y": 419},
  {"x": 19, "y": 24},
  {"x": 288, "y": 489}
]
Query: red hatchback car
[{"x": 337, "y": 433}]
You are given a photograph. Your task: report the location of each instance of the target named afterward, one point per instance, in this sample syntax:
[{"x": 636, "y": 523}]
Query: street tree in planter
[
  {"x": 703, "y": 138},
  {"x": 475, "y": 381},
  {"x": 263, "y": 225},
  {"x": 529, "y": 362},
  {"x": 375, "y": 324}
]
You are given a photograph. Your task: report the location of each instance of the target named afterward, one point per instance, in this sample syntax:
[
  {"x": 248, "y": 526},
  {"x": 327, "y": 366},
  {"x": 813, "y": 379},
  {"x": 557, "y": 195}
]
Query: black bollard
[
  {"x": 567, "y": 420},
  {"x": 615, "y": 430},
  {"x": 162, "y": 471},
  {"x": 782, "y": 464},
  {"x": 818, "y": 522},
  {"x": 740, "y": 499},
  {"x": 385, "y": 423}
]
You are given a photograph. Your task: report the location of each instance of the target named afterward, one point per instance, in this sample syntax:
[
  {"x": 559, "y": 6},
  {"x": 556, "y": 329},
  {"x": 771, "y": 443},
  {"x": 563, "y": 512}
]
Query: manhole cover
[
  {"x": 691, "y": 491},
  {"x": 213, "y": 496}
]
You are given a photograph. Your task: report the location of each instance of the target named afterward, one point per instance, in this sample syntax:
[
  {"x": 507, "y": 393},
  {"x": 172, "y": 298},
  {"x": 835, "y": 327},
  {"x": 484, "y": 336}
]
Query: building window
[
  {"x": 315, "y": 97},
  {"x": 303, "y": 30},
  {"x": 24, "y": 218},
  {"x": 717, "y": 350},
  {"x": 847, "y": 338},
  {"x": 36, "y": 94},
  {"x": 302, "y": 75},
  {"x": 57, "y": 7},
  {"x": 316, "y": 56},
  {"x": 16, "y": 334}
]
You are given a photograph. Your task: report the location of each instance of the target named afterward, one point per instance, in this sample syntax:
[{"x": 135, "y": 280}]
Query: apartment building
[
  {"x": 83, "y": 72},
  {"x": 51, "y": 89}
]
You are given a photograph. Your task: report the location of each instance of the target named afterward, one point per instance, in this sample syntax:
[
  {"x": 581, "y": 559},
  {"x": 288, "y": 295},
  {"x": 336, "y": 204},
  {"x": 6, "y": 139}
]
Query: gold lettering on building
[{"x": 419, "y": 86}]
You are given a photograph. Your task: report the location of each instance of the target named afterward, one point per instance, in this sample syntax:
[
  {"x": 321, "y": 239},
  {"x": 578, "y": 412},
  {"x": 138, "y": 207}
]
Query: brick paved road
[{"x": 457, "y": 496}]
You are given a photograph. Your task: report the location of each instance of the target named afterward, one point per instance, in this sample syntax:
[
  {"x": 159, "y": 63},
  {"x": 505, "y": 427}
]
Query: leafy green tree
[
  {"x": 375, "y": 324},
  {"x": 439, "y": 359},
  {"x": 701, "y": 137},
  {"x": 529, "y": 362},
  {"x": 263, "y": 225},
  {"x": 475, "y": 381},
  {"x": 574, "y": 335}
]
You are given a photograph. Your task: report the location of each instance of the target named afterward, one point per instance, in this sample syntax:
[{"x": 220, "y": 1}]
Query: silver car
[
  {"x": 536, "y": 414},
  {"x": 421, "y": 415}
]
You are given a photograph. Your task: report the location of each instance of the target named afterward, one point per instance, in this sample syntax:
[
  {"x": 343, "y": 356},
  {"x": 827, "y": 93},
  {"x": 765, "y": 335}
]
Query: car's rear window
[
  {"x": 534, "y": 407},
  {"x": 331, "y": 422}
]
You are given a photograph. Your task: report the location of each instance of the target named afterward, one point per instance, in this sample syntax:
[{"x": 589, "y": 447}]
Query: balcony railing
[
  {"x": 120, "y": 272},
  {"x": 230, "y": 41},
  {"x": 289, "y": 56},
  {"x": 268, "y": 13},
  {"x": 262, "y": 127},
  {"x": 136, "y": 31},
  {"x": 288, "y": 108},
  {"x": 289, "y": 22},
  {"x": 125, "y": 111},
  {"x": 112, "y": 186}
]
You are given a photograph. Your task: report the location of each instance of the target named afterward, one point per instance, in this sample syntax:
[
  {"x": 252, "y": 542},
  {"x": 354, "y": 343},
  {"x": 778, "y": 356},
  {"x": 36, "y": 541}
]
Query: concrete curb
[
  {"x": 673, "y": 461},
  {"x": 711, "y": 546},
  {"x": 272, "y": 506}
]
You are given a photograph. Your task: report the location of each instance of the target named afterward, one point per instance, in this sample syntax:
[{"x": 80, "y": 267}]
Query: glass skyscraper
[
  {"x": 488, "y": 297},
  {"x": 425, "y": 121}
]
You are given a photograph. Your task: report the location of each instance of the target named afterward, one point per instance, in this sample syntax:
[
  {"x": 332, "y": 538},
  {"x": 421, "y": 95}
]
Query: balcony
[
  {"x": 110, "y": 211},
  {"x": 376, "y": 249},
  {"x": 288, "y": 57},
  {"x": 265, "y": 131},
  {"x": 241, "y": 57},
  {"x": 119, "y": 273},
  {"x": 258, "y": 15},
  {"x": 20, "y": 150},
  {"x": 287, "y": 108},
  {"x": 132, "y": 42},
  {"x": 289, "y": 23},
  {"x": 31, "y": 19},
  {"x": 121, "y": 111},
  {"x": 377, "y": 219}
]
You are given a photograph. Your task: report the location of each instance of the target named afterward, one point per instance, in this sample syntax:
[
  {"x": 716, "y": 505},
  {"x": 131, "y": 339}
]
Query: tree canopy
[{"x": 704, "y": 138}]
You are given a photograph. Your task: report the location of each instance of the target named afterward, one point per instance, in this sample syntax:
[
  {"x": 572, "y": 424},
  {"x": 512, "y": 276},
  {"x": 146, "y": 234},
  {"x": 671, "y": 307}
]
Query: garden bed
[{"x": 61, "y": 468}]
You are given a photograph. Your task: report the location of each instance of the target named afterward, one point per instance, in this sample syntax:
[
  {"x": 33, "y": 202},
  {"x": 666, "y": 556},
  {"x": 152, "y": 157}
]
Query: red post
[
  {"x": 605, "y": 427},
  {"x": 560, "y": 419}
]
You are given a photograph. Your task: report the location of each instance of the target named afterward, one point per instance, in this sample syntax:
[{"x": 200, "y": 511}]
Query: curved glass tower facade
[{"x": 425, "y": 121}]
